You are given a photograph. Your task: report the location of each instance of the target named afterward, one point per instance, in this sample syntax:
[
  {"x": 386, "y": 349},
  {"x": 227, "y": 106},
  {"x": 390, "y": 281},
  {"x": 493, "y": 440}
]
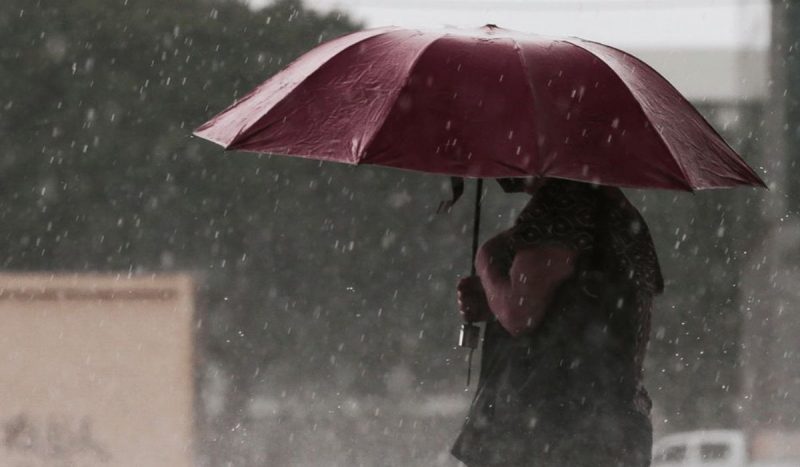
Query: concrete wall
[
  {"x": 713, "y": 75},
  {"x": 96, "y": 370}
]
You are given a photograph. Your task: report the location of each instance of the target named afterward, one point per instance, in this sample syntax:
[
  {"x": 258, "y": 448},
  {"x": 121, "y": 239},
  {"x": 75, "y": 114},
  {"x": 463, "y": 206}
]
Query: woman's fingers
[{"x": 471, "y": 299}]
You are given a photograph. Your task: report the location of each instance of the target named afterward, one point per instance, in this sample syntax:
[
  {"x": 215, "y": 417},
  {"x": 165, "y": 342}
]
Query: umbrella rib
[
  {"x": 249, "y": 130},
  {"x": 741, "y": 164},
  {"x": 686, "y": 181},
  {"x": 365, "y": 148},
  {"x": 534, "y": 95}
]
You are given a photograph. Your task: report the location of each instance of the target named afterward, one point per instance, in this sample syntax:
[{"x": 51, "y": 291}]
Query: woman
[{"x": 566, "y": 294}]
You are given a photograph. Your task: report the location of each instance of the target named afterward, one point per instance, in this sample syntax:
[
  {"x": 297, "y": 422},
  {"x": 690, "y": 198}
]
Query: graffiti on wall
[{"x": 54, "y": 437}]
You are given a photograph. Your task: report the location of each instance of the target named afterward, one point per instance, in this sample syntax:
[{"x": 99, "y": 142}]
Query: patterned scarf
[{"x": 598, "y": 222}]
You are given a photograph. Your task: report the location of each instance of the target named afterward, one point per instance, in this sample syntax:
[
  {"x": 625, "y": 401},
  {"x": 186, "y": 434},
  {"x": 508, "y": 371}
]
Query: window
[
  {"x": 714, "y": 451},
  {"x": 671, "y": 454}
]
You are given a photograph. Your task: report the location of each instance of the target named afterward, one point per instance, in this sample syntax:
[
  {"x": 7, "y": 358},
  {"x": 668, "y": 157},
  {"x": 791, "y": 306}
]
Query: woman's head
[
  {"x": 520, "y": 184},
  {"x": 531, "y": 185}
]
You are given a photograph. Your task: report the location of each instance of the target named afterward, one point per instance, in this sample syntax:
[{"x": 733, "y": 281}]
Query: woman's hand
[{"x": 472, "y": 303}]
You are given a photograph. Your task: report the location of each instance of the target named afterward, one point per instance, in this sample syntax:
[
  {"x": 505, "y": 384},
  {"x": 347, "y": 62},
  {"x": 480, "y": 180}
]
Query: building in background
[
  {"x": 96, "y": 370},
  {"x": 770, "y": 294}
]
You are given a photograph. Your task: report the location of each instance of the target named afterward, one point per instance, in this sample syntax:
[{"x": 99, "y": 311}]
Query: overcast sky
[{"x": 625, "y": 23}]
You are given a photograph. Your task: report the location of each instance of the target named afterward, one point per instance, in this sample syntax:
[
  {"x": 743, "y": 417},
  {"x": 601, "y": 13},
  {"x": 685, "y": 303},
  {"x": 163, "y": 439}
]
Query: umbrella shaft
[{"x": 476, "y": 224}]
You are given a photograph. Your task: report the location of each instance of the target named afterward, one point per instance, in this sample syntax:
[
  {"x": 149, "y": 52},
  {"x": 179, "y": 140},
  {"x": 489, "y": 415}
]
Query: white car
[{"x": 726, "y": 448}]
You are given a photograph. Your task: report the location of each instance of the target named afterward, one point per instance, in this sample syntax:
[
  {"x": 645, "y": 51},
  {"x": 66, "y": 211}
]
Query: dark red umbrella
[{"x": 487, "y": 102}]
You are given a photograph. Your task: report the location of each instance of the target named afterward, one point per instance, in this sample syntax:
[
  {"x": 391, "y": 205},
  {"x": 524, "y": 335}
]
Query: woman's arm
[{"x": 519, "y": 294}]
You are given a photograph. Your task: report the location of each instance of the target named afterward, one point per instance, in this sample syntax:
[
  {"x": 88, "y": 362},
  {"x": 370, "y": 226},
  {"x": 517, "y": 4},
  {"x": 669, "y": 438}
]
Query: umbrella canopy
[{"x": 484, "y": 102}]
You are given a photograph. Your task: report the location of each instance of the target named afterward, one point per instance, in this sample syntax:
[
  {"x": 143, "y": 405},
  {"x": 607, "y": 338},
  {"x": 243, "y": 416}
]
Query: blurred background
[{"x": 324, "y": 321}]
